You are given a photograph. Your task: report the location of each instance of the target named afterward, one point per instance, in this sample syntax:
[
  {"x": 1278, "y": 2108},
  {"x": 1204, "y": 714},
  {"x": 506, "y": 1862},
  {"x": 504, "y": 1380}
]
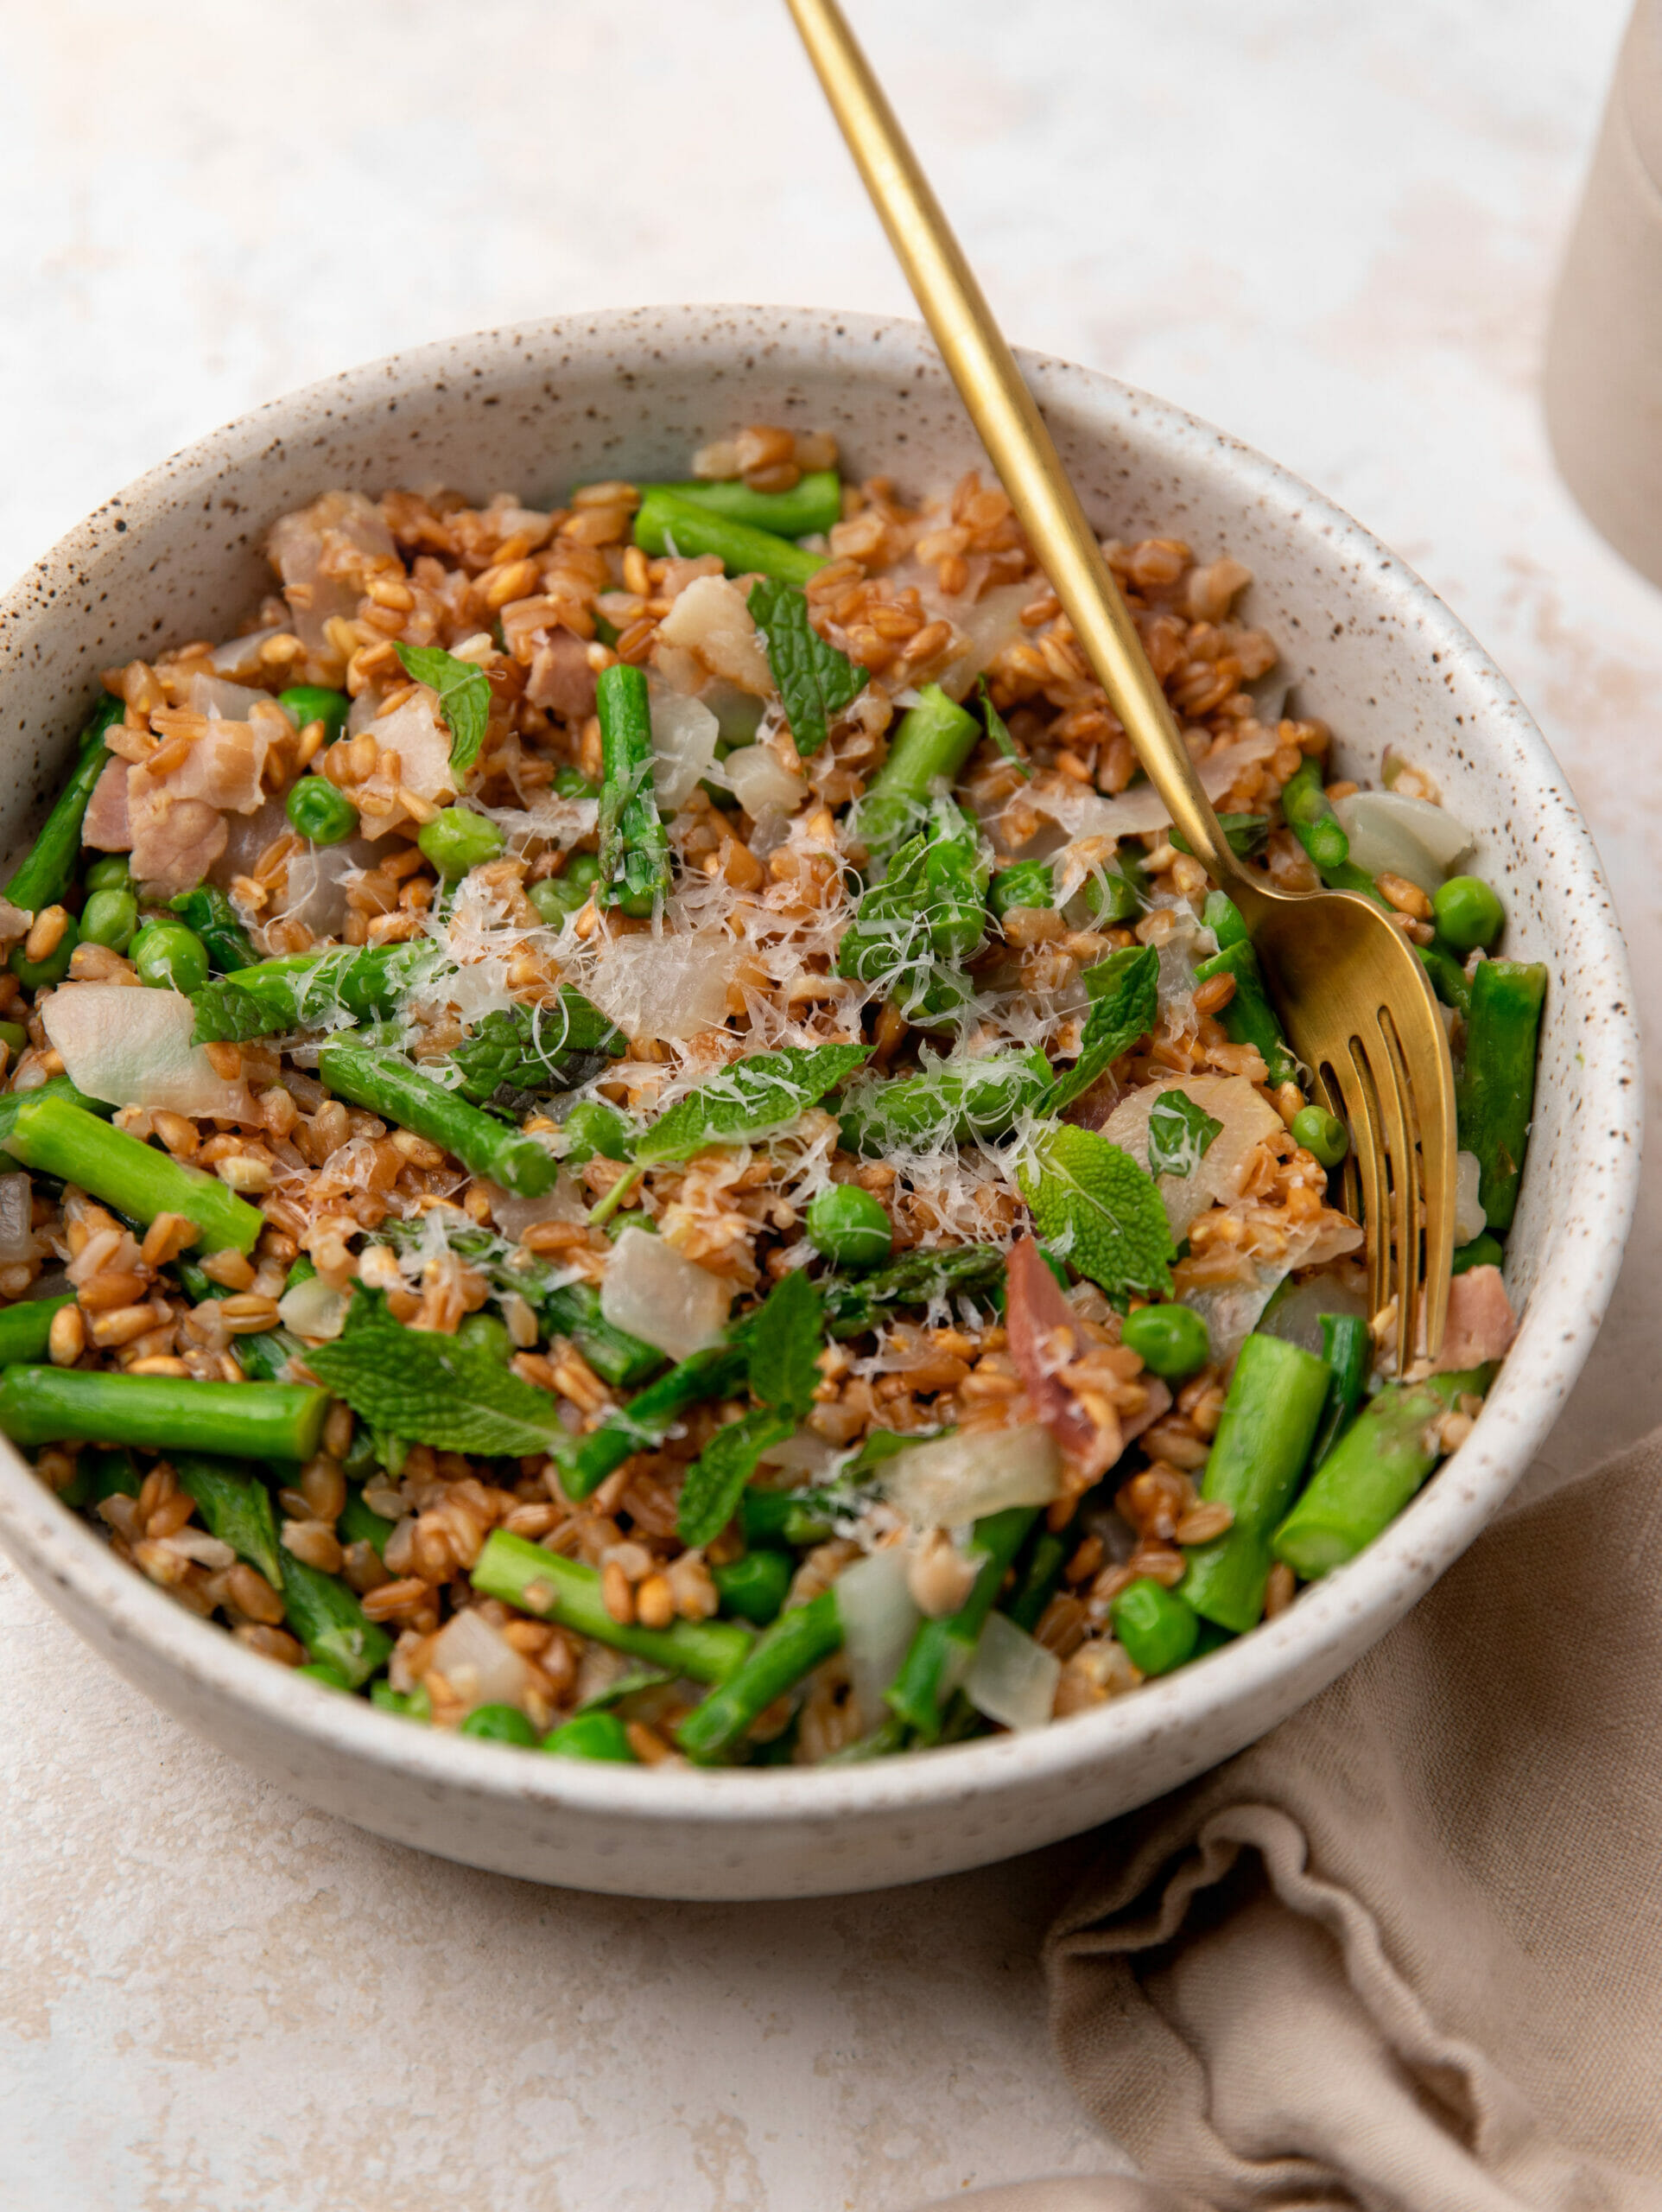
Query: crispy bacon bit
[{"x": 1043, "y": 1339}]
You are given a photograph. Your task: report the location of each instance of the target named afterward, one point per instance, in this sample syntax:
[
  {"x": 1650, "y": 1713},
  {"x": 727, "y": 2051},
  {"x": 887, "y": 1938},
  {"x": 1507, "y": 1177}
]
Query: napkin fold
[{"x": 1405, "y": 1953}]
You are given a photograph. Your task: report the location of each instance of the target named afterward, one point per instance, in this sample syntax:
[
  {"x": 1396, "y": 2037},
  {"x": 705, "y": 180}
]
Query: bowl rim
[{"x": 57, "y": 1547}]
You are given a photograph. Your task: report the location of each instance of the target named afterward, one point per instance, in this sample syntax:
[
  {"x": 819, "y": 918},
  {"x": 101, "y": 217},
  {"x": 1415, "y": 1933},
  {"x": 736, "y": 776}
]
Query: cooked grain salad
[{"x": 633, "y": 1136}]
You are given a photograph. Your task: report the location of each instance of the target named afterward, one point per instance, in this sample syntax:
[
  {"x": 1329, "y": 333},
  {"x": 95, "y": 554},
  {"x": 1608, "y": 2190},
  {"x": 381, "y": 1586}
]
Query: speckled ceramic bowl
[{"x": 536, "y": 408}]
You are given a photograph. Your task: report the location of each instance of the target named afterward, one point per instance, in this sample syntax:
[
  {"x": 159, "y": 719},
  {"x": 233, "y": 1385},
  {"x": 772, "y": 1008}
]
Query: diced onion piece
[
  {"x": 991, "y": 624},
  {"x": 17, "y": 1207},
  {"x": 1470, "y": 1218},
  {"x": 804, "y": 1453},
  {"x": 132, "y": 1047},
  {"x": 1248, "y": 1119},
  {"x": 711, "y": 619},
  {"x": 312, "y": 1309},
  {"x": 878, "y": 1617},
  {"x": 1011, "y": 1678},
  {"x": 956, "y": 1480},
  {"x": 673, "y": 987},
  {"x": 651, "y": 1291},
  {"x": 684, "y": 732},
  {"x": 1298, "y": 1318},
  {"x": 1082, "y": 814},
  {"x": 1392, "y": 834},
  {"x": 761, "y": 782},
  {"x": 479, "y": 1663},
  {"x": 416, "y": 731},
  {"x": 513, "y": 1217}
]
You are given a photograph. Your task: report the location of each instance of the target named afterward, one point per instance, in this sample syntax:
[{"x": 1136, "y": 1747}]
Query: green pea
[
  {"x": 1110, "y": 897},
  {"x": 457, "y": 839},
  {"x": 14, "y": 1037},
  {"x": 113, "y": 873},
  {"x": 316, "y": 703},
  {"x": 849, "y": 1227},
  {"x": 1157, "y": 1628},
  {"x": 1469, "y": 913},
  {"x": 32, "y": 974},
  {"x": 591, "y": 1127},
  {"x": 754, "y": 1587},
  {"x": 1029, "y": 883},
  {"x": 1483, "y": 1251},
  {"x": 1170, "y": 1340},
  {"x": 572, "y": 783},
  {"x": 414, "y": 1705},
  {"x": 1321, "y": 1132},
  {"x": 557, "y": 896},
  {"x": 110, "y": 917},
  {"x": 167, "y": 956},
  {"x": 591, "y": 1736},
  {"x": 322, "y": 1670},
  {"x": 318, "y": 811},
  {"x": 499, "y": 1723},
  {"x": 485, "y": 1334}
]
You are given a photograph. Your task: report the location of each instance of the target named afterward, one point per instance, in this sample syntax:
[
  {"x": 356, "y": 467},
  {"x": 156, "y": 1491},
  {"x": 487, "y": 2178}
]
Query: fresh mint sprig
[
  {"x": 431, "y": 1388},
  {"x": 1093, "y": 1204},
  {"x": 749, "y": 1099},
  {"x": 815, "y": 680}
]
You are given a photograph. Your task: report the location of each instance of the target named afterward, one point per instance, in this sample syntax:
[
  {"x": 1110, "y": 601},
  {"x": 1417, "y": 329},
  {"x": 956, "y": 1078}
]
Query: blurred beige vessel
[{"x": 1603, "y": 375}]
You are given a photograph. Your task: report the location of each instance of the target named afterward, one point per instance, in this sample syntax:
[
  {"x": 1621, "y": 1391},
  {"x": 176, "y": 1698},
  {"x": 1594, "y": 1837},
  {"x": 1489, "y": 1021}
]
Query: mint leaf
[
  {"x": 463, "y": 698},
  {"x": 748, "y": 1099},
  {"x": 715, "y": 1482},
  {"x": 915, "y": 930},
  {"x": 1125, "y": 1001},
  {"x": 1179, "y": 1133},
  {"x": 1094, "y": 1205},
  {"x": 431, "y": 1388},
  {"x": 784, "y": 1342},
  {"x": 815, "y": 681},
  {"x": 993, "y": 721}
]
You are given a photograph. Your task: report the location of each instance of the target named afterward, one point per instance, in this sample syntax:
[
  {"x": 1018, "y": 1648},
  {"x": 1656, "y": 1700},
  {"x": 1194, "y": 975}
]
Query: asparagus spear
[
  {"x": 1372, "y": 1473},
  {"x": 24, "y": 1328},
  {"x": 634, "y": 846},
  {"x": 48, "y": 868},
  {"x": 917, "y": 927},
  {"x": 311, "y": 989},
  {"x": 1347, "y": 1347},
  {"x": 1448, "y": 977},
  {"x": 386, "y": 1086},
  {"x": 166, "y": 1413},
  {"x": 522, "y": 1574},
  {"x": 1159, "y": 1629},
  {"x": 976, "y": 1098},
  {"x": 778, "y": 1659},
  {"x": 58, "y": 1139},
  {"x": 1260, "y": 1450},
  {"x": 1249, "y": 1018},
  {"x": 814, "y": 503},
  {"x": 236, "y": 1508},
  {"x": 941, "y": 1649},
  {"x": 584, "y": 1462},
  {"x": 935, "y": 739},
  {"x": 665, "y": 522},
  {"x": 1496, "y": 1092},
  {"x": 1037, "y": 1577},
  {"x": 917, "y": 1278},
  {"x": 329, "y": 1621}
]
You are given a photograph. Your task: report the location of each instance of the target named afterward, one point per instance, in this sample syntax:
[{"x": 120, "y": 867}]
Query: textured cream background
[{"x": 1331, "y": 230}]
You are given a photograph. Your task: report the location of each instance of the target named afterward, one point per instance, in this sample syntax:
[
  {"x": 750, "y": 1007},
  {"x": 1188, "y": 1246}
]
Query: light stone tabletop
[{"x": 1332, "y": 230}]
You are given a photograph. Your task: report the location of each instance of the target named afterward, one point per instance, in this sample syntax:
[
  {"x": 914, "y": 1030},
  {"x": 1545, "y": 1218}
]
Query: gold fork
[{"x": 1357, "y": 1005}]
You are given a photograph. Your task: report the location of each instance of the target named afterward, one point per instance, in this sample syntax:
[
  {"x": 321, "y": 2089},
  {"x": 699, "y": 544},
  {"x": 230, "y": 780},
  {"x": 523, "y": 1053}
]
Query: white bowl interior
[{"x": 536, "y": 410}]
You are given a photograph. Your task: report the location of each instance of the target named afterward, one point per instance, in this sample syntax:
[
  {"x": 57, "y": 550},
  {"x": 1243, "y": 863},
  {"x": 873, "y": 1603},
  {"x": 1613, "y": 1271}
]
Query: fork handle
[{"x": 1013, "y": 432}]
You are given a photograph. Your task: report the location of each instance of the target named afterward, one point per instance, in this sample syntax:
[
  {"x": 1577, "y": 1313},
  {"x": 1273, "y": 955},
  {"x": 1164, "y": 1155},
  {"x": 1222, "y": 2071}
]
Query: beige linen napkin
[{"x": 1406, "y": 1952}]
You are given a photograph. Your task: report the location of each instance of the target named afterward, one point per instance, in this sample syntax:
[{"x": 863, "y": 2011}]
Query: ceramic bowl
[{"x": 536, "y": 408}]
